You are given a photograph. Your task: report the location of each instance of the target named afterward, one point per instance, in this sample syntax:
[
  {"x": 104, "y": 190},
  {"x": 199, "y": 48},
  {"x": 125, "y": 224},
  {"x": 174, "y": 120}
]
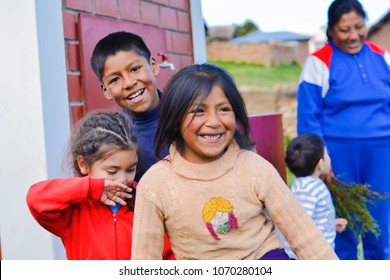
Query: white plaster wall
[{"x": 34, "y": 118}]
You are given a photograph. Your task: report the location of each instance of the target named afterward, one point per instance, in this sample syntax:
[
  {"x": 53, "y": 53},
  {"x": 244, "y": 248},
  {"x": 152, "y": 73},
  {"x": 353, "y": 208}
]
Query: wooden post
[{"x": 267, "y": 133}]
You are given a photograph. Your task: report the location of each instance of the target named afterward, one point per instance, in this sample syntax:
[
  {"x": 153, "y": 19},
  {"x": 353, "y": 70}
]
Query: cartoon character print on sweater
[{"x": 218, "y": 214}]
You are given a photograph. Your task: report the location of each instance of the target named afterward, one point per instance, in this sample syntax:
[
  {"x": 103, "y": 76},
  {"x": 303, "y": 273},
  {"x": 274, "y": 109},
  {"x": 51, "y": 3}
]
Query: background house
[
  {"x": 258, "y": 47},
  {"x": 48, "y": 84},
  {"x": 379, "y": 33},
  {"x": 220, "y": 33}
]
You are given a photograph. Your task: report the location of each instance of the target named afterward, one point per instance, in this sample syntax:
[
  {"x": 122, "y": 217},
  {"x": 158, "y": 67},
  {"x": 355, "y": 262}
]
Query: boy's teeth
[{"x": 136, "y": 94}]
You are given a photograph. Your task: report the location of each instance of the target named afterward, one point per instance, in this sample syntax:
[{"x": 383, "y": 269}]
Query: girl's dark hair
[
  {"x": 100, "y": 134},
  {"x": 192, "y": 82},
  {"x": 340, "y": 7},
  {"x": 112, "y": 44},
  {"x": 303, "y": 154}
]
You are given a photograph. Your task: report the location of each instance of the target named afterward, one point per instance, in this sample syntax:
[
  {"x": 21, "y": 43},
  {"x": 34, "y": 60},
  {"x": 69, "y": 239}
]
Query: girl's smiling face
[{"x": 208, "y": 128}]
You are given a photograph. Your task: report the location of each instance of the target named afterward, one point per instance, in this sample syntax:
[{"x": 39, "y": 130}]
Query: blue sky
[{"x": 300, "y": 16}]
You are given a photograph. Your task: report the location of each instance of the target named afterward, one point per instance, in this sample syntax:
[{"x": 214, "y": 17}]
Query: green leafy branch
[{"x": 351, "y": 201}]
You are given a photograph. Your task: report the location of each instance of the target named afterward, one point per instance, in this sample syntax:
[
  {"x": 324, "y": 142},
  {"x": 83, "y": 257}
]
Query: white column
[
  {"x": 34, "y": 119},
  {"x": 198, "y": 32}
]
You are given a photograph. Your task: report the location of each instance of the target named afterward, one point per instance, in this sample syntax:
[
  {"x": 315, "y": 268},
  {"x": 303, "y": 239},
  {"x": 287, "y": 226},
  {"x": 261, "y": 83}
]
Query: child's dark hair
[
  {"x": 192, "y": 82},
  {"x": 338, "y": 8},
  {"x": 303, "y": 153},
  {"x": 100, "y": 134},
  {"x": 112, "y": 44}
]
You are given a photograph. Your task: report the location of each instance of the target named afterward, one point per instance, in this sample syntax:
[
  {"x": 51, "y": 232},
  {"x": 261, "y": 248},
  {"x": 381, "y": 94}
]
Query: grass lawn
[{"x": 261, "y": 77}]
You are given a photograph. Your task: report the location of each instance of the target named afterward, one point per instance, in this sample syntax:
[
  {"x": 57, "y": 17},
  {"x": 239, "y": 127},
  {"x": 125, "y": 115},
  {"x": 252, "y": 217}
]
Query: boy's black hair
[
  {"x": 112, "y": 44},
  {"x": 340, "y": 7},
  {"x": 303, "y": 154},
  {"x": 183, "y": 89}
]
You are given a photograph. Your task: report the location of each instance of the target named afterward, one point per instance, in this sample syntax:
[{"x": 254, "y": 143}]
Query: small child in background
[
  {"x": 210, "y": 192},
  {"x": 308, "y": 159},
  {"x": 93, "y": 212}
]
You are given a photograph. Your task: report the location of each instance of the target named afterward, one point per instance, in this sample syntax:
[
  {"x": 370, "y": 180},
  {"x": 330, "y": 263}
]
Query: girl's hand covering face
[{"x": 115, "y": 192}]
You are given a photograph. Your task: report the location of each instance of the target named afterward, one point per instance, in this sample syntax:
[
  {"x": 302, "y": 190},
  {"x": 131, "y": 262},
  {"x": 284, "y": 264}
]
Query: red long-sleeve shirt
[{"x": 71, "y": 209}]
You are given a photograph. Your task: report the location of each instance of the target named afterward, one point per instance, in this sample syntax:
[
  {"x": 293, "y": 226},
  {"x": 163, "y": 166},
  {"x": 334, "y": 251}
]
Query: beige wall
[{"x": 262, "y": 53}]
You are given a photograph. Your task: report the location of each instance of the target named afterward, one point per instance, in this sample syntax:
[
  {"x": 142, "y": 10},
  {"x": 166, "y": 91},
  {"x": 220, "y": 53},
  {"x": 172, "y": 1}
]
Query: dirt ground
[
  {"x": 260, "y": 102},
  {"x": 283, "y": 102}
]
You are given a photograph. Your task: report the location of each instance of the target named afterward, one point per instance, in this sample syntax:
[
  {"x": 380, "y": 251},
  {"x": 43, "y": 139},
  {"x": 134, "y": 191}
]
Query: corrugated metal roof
[{"x": 281, "y": 36}]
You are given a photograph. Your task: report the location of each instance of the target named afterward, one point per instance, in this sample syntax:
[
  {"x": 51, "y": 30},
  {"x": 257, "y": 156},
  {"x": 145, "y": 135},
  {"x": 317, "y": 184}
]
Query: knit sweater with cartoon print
[{"x": 216, "y": 210}]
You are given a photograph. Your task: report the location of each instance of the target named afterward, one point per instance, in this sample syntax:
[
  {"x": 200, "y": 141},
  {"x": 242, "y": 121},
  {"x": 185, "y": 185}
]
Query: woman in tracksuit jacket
[{"x": 344, "y": 96}]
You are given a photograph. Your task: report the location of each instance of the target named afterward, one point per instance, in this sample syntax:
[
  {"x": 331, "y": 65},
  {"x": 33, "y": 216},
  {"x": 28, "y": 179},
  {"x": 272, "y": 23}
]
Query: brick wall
[{"x": 172, "y": 16}]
